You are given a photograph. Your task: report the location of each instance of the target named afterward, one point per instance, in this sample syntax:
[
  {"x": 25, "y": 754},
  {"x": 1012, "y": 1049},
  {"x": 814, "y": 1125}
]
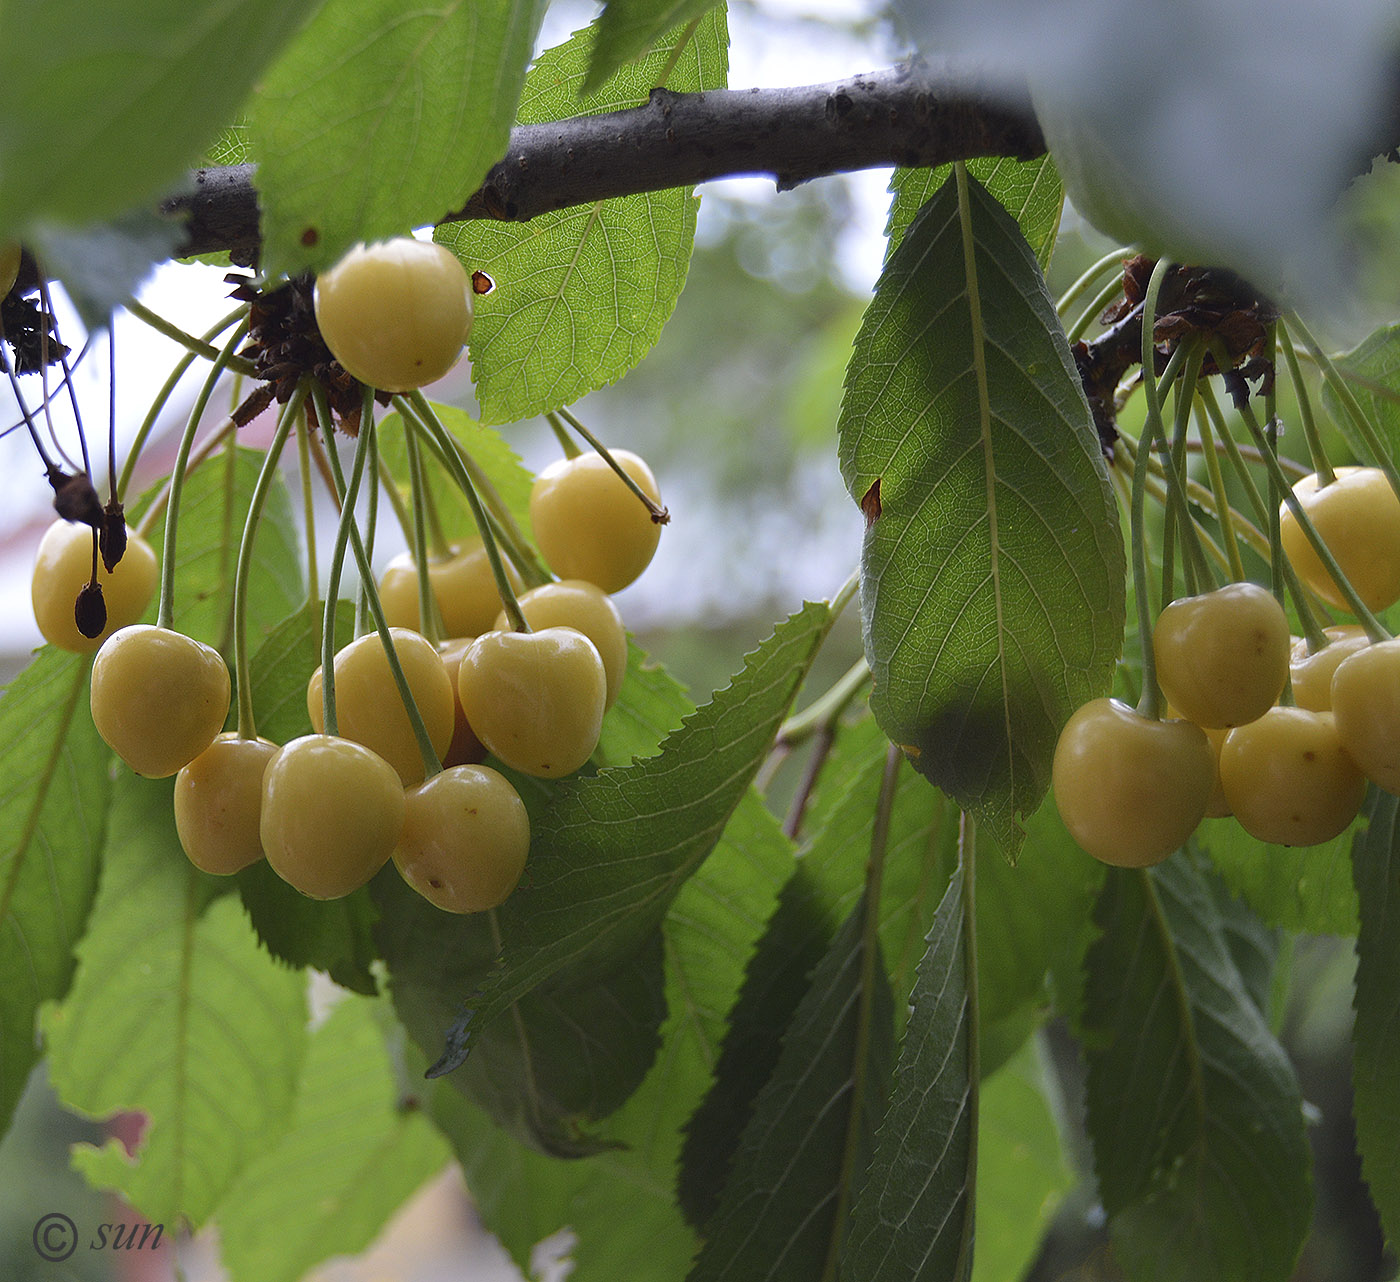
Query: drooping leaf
[
  {"x": 1376, "y": 1031},
  {"x": 992, "y": 571},
  {"x": 176, "y": 1012},
  {"x": 563, "y": 1056},
  {"x": 626, "y": 29},
  {"x": 1022, "y": 1175},
  {"x": 1193, "y": 1109},
  {"x": 779, "y": 1215},
  {"x": 610, "y": 851},
  {"x": 53, "y": 805},
  {"x": 913, "y": 1218},
  {"x": 380, "y": 118},
  {"x": 1029, "y": 189},
  {"x": 620, "y": 1203},
  {"x": 100, "y": 117},
  {"x": 354, "y": 1149},
  {"x": 102, "y": 265},
  {"x": 1300, "y": 888},
  {"x": 581, "y": 294}
]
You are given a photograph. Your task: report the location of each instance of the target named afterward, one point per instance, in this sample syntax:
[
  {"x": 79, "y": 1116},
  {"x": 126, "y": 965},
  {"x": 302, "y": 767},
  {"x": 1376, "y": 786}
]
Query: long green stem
[
  {"x": 493, "y": 553},
  {"x": 431, "y": 763},
  {"x": 428, "y": 614},
  {"x": 291, "y": 414},
  {"x": 658, "y": 513},
  {"x": 1321, "y": 465},
  {"x": 162, "y": 397},
  {"x": 1224, "y": 513},
  {"x": 1149, "y": 704},
  {"x": 308, "y": 509},
  {"x": 1115, "y": 258},
  {"x": 166, "y": 612},
  {"x": 195, "y": 346}
]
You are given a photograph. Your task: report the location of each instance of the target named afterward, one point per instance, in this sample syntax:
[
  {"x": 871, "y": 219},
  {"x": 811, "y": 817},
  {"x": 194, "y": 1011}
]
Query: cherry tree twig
[{"x": 909, "y": 115}]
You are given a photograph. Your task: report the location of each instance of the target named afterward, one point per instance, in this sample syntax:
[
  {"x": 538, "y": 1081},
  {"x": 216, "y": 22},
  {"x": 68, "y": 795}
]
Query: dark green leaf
[
  {"x": 353, "y": 1152},
  {"x": 281, "y": 668},
  {"x": 52, "y": 807},
  {"x": 913, "y": 1218},
  {"x": 382, "y": 117},
  {"x": 100, "y": 112},
  {"x": 610, "y": 851},
  {"x": 581, "y": 294},
  {"x": 992, "y": 573},
  {"x": 813, "y": 1128},
  {"x": 1030, "y": 190},
  {"x": 1376, "y": 1033},
  {"x": 177, "y": 1012},
  {"x": 1193, "y": 1109},
  {"x": 626, "y": 29}
]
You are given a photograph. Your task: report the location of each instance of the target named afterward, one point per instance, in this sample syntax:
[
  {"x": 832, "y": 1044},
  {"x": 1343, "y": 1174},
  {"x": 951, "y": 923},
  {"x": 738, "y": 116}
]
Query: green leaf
[
  {"x": 281, "y": 668},
  {"x": 620, "y": 1203},
  {"x": 381, "y": 118},
  {"x": 176, "y": 1012},
  {"x": 562, "y": 1058},
  {"x": 581, "y": 294},
  {"x": 1298, "y": 888},
  {"x": 992, "y": 574},
  {"x": 1021, "y": 1172},
  {"x": 52, "y": 809},
  {"x": 353, "y": 1152},
  {"x": 813, "y": 1128},
  {"x": 1193, "y": 1109},
  {"x": 1372, "y": 369},
  {"x": 511, "y": 480},
  {"x": 99, "y": 113},
  {"x": 1029, "y": 189},
  {"x": 626, "y": 29},
  {"x": 610, "y": 851},
  {"x": 913, "y": 1218},
  {"x": 102, "y": 265},
  {"x": 1376, "y": 1031}
]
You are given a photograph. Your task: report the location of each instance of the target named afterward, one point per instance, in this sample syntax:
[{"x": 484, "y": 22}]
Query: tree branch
[{"x": 905, "y": 115}]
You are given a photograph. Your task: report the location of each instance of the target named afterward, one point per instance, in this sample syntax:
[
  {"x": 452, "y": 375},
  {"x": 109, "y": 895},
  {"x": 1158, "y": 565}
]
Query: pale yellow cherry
[
  {"x": 1358, "y": 517},
  {"x": 1312, "y": 672},
  {"x": 465, "y": 749},
  {"x": 218, "y": 804},
  {"x": 63, "y": 565},
  {"x": 462, "y": 584},
  {"x": 578, "y": 604},
  {"x": 535, "y": 699}
]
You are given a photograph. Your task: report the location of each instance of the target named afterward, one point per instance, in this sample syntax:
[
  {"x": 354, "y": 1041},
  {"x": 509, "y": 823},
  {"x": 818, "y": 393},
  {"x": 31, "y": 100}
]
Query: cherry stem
[
  {"x": 561, "y": 434},
  {"x": 50, "y": 467},
  {"x": 308, "y": 509},
  {"x": 430, "y": 617},
  {"x": 1321, "y": 465},
  {"x": 1375, "y": 629},
  {"x": 658, "y": 513},
  {"x": 1343, "y": 392},
  {"x": 1149, "y": 704},
  {"x": 370, "y": 593},
  {"x": 344, "y": 529},
  {"x": 291, "y": 414},
  {"x": 1094, "y": 310},
  {"x": 1114, "y": 258},
  {"x": 1224, "y": 513},
  {"x": 111, "y": 412},
  {"x": 194, "y": 346},
  {"x": 166, "y": 613},
  {"x": 504, "y": 590},
  {"x": 162, "y": 396}
]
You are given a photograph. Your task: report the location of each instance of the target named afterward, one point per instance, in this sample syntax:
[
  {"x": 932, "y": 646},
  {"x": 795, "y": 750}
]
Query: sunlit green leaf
[
  {"x": 1376, "y": 1032},
  {"x": 778, "y": 1216},
  {"x": 352, "y": 1152},
  {"x": 913, "y": 1218},
  {"x": 581, "y": 295},
  {"x": 176, "y": 1012},
  {"x": 100, "y": 114},
  {"x": 992, "y": 583},
  {"x": 382, "y": 117},
  {"x": 1193, "y": 1108},
  {"x": 52, "y": 806},
  {"x": 1030, "y": 190},
  {"x": 611, "y": 851},
  {"x": 1373, "y": 373},
  {"x": 626, "y": 29}
]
